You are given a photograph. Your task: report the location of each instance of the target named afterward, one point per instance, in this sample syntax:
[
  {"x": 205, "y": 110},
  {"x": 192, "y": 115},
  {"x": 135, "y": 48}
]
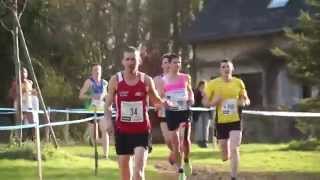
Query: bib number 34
[{"x": 132, "y": 111}]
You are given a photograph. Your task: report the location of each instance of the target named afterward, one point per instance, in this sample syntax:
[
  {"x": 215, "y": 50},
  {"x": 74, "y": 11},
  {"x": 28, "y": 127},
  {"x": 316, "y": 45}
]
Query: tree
[
  {"x": 65, "y": 37},
  {"x": 303, "y": 56}
]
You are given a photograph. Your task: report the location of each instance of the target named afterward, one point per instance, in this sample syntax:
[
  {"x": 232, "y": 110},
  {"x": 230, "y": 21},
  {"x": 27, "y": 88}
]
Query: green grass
[
  {"x": 263, "y": 158},
  {"x": 76, "y": 162}
]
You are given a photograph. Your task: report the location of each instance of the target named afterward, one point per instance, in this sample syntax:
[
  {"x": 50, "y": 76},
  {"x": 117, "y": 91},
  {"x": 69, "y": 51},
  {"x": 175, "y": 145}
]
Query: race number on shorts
[
  {"x": 229, "y": 107},
  {"x": 132, "y": 111},
  {"x": 162, "y": 113}
]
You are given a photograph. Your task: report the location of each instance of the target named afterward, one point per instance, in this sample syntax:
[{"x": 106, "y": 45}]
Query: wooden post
[
  {"x": 96, "y": 134},
  {"x": 15, "y": 38},
  {"x": 39, "y": 159},
  {"x": 66, "y": 127},
  {"x": 34, "y": 78}
]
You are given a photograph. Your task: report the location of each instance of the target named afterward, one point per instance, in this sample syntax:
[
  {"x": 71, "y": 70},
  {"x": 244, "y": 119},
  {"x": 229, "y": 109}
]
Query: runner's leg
[
  {"x": 140, "y": 161},
  {"x": 104, "y": 138},
  {"x": 235, "y": 141},
  {"x": 125, "y": 168}
]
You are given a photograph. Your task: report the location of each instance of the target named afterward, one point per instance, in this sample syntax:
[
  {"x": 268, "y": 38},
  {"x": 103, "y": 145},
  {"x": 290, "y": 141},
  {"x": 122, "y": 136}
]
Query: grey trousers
[{"x": 202, "y": 127}]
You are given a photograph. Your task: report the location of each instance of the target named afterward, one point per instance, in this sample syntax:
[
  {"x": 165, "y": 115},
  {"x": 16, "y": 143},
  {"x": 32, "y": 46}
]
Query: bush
[
  {"x": 28, "y": 151},
  {"x": 309, "y": 127},
  {"x": 308, "y": 145},
  {"x": 14, "y": 151}
]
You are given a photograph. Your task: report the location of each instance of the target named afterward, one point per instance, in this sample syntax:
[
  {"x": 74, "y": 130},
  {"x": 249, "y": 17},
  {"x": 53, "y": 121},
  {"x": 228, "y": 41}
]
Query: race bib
[
  {"x": 132, "y": 111},
  {"x": 229, "y": 107},
  {"x": 99, "y": 104},
  {"x": 179, "y": 99}
]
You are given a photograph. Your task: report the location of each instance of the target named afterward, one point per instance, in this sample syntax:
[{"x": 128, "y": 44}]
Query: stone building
[{"x": 246, "y": 31}]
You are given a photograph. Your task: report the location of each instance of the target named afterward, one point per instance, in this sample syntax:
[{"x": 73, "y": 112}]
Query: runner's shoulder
[
  {"x": 113, "y": 80},
  {"x": 29, "y": 81},
  {"x": 148, "y": 79},
  {"x": 214, "y": 81},
  {"x": 157, "y": 78},
  {"x": 186, "y": 76},
  {"x": 237, "y": 80},
  {"x": 105, "y": 82}
]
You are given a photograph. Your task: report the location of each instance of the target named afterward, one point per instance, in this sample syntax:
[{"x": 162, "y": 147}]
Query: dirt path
[{"x": 209, "y": 173}]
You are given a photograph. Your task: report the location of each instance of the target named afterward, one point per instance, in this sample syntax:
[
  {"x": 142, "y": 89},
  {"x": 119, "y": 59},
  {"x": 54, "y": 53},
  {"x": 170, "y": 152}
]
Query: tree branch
[
  {"x": 2, "y": 16},
  {"x": 5, "y": 26},
  {"x": 23, "y": 8},
  {"x": 5, "y": 5}
]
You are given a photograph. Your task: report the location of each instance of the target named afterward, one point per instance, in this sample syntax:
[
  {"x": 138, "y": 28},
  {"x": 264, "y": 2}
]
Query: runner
[
  {"x": 228, "y": 94},
  {"x": 93, "y": 92},
  {"x": 27, "y": 92},
  {"x": 161, "y": 112},
  {"x": 178, "y": 91},
  {"x": 131, "y": 90}
]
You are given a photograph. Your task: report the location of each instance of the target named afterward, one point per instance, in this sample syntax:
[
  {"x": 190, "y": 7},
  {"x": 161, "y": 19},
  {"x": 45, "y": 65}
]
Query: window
[
  {"x": 306, "y": 91},
  {"x": 277, "y": 3}
]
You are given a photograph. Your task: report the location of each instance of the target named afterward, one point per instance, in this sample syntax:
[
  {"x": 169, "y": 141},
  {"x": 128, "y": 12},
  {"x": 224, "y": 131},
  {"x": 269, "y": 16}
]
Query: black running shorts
[
  {"x": 175, "y": 118},
  {"x": 126, "y": 143},
  {"x": 223, "y": 130}
]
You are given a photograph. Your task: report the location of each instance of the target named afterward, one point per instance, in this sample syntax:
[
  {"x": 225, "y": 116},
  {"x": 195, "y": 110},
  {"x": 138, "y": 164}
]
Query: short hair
[
  {"x": 130, "y": 49},
  {"x": 226, "y": 60},
  {"x": 202, "y": 82},
  {"x": 169, "y": 56},
  {"x": 134, "y": 50}
]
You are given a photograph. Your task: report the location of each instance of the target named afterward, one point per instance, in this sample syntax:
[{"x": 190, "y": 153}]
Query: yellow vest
[{"x": 230, "y": 92}]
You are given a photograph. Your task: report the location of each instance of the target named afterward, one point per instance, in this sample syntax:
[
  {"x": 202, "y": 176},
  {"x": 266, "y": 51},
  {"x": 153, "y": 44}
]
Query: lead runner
[{"x": 131, "y": 90}]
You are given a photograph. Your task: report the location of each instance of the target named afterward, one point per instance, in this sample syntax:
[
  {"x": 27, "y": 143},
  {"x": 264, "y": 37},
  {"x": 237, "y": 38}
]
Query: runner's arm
[
  {"x": 152, "y": 92},
  {"x": 244, "y": 99},
  {"x": 190, "y": 91},
  {"x": 243, "y": 96},
  {"x": 84, "y": 90},
  {"x": 210, "y": 99},
  {"x": 108, "y": 102},
  {"x": 105, "y": 90}
]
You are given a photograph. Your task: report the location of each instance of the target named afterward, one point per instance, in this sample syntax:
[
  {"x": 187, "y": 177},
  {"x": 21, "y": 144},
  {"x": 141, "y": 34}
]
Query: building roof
[{"x": 223, "y": 19}]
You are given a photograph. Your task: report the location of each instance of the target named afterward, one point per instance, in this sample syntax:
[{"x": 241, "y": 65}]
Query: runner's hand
[
  {"x": 168, "y": 103},
  {"x": 110, "y": 127},
  {"x": 243, "y": 102},
  {"x": 190, "y": 102},
  {"x": 216, "y": 101}
]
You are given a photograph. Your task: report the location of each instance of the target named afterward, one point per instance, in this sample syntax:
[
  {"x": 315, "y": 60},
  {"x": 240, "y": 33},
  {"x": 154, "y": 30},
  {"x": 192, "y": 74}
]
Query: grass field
[{"x": 76, "y": 163}]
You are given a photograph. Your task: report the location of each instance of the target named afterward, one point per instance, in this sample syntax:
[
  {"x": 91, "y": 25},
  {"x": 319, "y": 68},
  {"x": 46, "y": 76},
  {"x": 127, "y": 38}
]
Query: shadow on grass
[
  {"x": 49, "y": 173},
  {"x": 24, "y": 152},
  {"x": 100, "y": 156},
  {"x": 197, "y": 155}
]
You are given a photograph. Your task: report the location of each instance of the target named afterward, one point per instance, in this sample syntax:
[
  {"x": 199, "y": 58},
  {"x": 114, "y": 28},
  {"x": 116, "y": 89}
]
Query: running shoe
[
  {"x": 182, "y": 176},
  {"x": 187, "y": 168}
]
